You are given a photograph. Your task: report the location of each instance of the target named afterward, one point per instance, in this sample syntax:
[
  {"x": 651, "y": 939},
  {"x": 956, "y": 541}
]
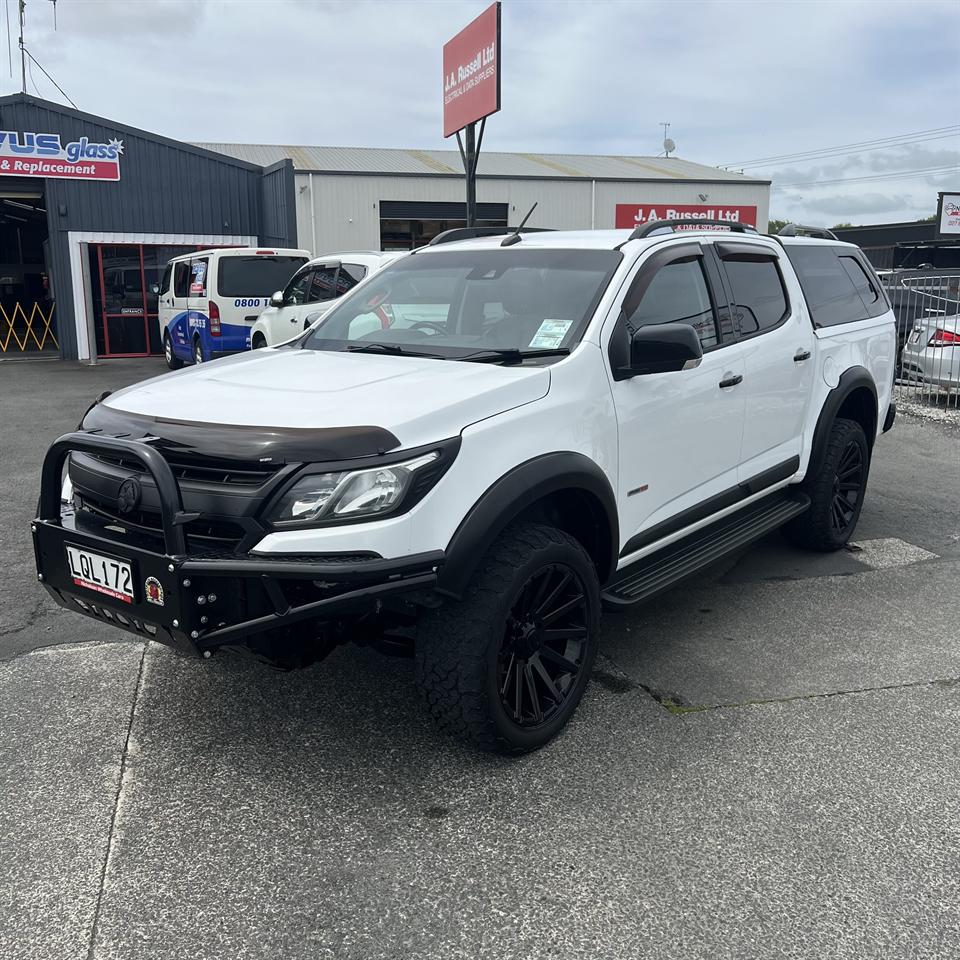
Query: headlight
[{"x": 350, "y": 493}]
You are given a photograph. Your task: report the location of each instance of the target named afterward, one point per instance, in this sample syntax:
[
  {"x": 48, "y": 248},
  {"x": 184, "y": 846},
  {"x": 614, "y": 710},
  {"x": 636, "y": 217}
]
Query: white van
[
  {"x": 312, "y": 291},
  {"x": 210, "y": 299}
]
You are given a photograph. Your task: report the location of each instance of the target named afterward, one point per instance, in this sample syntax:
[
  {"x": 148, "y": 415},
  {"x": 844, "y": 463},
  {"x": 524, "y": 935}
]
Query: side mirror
[
  {"x": 155, "y": 289},
  {"x": 277, "y": 299},
  {"x": 664, "y": 348}
]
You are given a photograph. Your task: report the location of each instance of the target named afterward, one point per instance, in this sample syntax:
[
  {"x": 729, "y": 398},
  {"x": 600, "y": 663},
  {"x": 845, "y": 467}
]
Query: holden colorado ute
[{"x": 575, "y": 419}]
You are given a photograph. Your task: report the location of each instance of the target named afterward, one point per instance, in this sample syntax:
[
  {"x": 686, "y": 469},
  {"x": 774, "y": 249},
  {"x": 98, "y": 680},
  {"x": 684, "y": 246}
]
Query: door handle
[
  {"x": 731, "y": 381},
  {"x": 801, "y": 355}
]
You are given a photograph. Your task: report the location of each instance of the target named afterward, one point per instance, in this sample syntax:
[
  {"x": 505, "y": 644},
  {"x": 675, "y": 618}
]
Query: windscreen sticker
[{"x": 550, "y": 334}]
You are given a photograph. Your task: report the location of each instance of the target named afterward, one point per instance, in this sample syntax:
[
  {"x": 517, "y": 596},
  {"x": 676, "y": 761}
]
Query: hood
[{"x": 417, "y": 400}]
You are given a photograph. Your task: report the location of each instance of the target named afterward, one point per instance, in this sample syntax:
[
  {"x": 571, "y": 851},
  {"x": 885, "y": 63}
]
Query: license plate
[
  {"x": 915, "y": 336},
  {"x": 113, "y": 578}
]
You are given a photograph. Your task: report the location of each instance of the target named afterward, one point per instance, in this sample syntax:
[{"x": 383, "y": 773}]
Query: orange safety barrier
[{"x": 10, "y": 331}]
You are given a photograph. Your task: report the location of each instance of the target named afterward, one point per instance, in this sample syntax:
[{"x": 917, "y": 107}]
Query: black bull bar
[{"x": 205, "y": 602}]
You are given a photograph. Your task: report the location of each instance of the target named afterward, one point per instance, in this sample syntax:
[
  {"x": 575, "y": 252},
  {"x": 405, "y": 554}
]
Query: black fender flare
[
  {"x": 850, "y": 380},
  {"x": 509, "y": 496}
]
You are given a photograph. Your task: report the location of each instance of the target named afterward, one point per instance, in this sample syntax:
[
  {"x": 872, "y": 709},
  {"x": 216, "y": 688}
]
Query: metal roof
[{"x": 391, "y": 162}]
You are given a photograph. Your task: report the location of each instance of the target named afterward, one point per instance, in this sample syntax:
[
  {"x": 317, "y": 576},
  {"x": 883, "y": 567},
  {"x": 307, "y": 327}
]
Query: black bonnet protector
[{"x": 274, "y": 445}]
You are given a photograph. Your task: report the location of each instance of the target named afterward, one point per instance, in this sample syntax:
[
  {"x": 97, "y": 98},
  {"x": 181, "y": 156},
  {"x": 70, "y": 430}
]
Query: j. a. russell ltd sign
[{"x": 27, "y": 154}]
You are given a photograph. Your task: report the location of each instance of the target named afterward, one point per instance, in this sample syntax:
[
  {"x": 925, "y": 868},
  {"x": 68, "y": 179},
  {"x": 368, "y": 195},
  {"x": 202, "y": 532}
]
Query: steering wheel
[{"x": 432, "y": 326}]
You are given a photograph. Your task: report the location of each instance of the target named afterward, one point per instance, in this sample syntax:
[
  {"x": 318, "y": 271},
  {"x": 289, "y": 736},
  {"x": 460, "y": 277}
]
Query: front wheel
[
  {"x": 506, "y": 667},
  {"x": 173, "y": 361},
  {"x": 836, "y": 493},
  {"x": 259, "y": 341}
]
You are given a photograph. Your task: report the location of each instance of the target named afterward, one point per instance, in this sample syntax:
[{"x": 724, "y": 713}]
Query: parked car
[
  {"x": 310, "y": 293},
  {"x": 584, "y": 417},
  {"x": 932, "y": 352},
  {"x": 209, "y": 300}
]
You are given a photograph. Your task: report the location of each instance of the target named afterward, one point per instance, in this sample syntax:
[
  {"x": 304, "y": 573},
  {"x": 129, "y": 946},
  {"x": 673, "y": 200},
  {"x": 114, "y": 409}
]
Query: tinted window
[
  {"x": 831, "y": 294},
  {"x": 349, "y": 276},
  {"x": 255, "y": 276},
  {"x": 181, "y": 278},
  {"x": 759, "y": 301},
  {"x": 324, "y": 285},
  {"x": 165, "y": 281},
  {"x": 296, "y": 290},
  {"x": 868, "y": 287},
  {"x": 678, "y": 294}
]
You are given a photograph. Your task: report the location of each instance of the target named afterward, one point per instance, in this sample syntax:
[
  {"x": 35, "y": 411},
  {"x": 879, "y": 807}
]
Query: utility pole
[{"x": 23, "y": 51}]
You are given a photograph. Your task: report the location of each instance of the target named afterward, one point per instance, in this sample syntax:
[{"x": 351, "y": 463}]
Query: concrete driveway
[{"x": 767, "y": 764}]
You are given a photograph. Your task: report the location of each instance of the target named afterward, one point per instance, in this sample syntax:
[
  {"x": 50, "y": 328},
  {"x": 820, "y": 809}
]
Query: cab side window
[
  {"x": 678, "y": 293},
  {"x": 298, "y": 288},
  {"x": 165, "y": 281},
  {"x": 759, "y": 300}
]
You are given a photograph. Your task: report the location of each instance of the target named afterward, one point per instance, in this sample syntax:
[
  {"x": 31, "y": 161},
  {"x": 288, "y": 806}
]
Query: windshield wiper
[
  {"x": 390, "y": 348},
  {"x": 511, "y": 355}
]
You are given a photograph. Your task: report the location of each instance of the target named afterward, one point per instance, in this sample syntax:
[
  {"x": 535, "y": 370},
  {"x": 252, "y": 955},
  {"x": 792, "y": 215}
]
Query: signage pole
[{"x": 471, "y": 170}]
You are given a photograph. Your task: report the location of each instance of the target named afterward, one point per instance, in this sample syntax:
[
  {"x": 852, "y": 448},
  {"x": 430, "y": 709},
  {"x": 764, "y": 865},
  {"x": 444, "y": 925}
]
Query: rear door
[
  {"x": 778, "y": 355},
  {"x": 198, "y": 322}
]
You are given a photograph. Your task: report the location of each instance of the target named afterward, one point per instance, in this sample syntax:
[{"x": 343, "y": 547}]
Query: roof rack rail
[
  {"x": 802, "y": 230},
  {"x": 470, "y": 233},
  {"x": 654, "y": 225}
]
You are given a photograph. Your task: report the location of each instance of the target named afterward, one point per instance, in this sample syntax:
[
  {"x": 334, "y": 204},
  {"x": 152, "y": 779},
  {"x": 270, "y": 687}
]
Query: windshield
[
  {"x": 457, "y": 304},
  {"x": 255, "y": 276}
]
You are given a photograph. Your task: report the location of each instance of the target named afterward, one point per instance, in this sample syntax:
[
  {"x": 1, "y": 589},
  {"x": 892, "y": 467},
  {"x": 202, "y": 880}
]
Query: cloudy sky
[{"x": 738, "y": 81}]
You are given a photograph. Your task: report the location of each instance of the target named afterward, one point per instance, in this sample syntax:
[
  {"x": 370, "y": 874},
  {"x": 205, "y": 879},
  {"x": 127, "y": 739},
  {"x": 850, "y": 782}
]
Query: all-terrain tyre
[
  {"x": 836, "y": 493},
  {"x": 505, "y": 667},
  {"x": 173, "y": 361}
]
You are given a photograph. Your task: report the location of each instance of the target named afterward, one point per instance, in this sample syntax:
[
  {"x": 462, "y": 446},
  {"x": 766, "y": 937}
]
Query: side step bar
[{"x": 661, "y": 570}]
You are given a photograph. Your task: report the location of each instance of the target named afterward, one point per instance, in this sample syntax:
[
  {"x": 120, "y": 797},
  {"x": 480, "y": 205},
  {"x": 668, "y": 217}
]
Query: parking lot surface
[{"x": 766, "y": 764}]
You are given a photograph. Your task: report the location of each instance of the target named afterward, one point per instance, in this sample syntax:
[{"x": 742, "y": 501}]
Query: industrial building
[{"x": 91, "y": 210}]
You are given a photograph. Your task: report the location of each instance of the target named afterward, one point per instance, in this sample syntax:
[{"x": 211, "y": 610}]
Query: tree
[
  {"x": 775, "y": 226},
  {"x": 841, "y": 226}
]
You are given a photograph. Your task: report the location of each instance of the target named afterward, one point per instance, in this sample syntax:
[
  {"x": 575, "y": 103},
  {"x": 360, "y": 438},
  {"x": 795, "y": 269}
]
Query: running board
[{"x": 660, "y": 570}]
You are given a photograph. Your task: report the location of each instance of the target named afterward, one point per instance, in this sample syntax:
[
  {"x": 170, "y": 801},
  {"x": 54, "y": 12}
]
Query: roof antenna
[{"x": 514, "y": 237}]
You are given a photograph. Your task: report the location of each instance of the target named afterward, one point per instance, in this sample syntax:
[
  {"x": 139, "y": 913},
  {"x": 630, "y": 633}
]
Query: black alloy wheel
[
  {"x": 848, "y": 485},
  {"x": 543, "y": 646}
]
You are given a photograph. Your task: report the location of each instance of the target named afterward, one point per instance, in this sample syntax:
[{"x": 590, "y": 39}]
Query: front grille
[
  {"x": 205, "y": 531},
  {"x": 223, "y": 472}
]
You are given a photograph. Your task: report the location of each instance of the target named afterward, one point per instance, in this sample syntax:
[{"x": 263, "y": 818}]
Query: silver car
[{"x": 932, "y": 351}]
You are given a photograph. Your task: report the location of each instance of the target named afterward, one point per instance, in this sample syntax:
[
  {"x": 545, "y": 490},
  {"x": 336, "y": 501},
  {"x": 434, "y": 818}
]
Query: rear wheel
[
  {"x": 197, "y": 350},
  {"x": 506, "y": 667},
  {"x": 259, "y": 341},
  {"x": 173, "y": 361},
  {"x": 836, "y": 493}
]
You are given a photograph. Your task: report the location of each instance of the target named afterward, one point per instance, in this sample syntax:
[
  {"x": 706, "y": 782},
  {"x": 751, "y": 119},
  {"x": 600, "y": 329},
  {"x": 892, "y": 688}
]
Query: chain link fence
[{"x": 927, "y": 308}]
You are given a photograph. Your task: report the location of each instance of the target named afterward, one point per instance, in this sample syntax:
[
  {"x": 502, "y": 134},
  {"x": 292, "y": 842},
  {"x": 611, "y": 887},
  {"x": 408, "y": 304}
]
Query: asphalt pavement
[{"x": 765, "y": 765}]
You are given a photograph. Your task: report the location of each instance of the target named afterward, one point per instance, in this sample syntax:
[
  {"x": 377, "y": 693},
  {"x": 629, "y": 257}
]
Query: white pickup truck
[{"x": 581, "y": 418}]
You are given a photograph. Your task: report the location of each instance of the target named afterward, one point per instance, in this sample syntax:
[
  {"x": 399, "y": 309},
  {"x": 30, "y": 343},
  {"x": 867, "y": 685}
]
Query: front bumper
[{"x": 204, "y": 603}]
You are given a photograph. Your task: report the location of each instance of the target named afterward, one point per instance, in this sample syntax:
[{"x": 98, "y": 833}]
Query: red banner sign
[
  {"x": 630, "y": 215},
  {"x": 471, "y": 72},
  {"x": 29, "y": 154}
]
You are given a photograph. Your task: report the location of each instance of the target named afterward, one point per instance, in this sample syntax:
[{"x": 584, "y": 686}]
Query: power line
[
  {"x": 47, "y": 75},
  {"x": 892, "y": 141},
  {"x": 877, "y": 178}
]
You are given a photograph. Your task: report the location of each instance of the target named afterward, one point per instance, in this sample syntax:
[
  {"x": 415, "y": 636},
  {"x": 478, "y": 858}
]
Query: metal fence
[{"x": 927, "y": 308}]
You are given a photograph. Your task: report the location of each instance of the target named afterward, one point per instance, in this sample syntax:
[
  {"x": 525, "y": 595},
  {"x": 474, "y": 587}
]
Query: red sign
[
  {"x": 630, "y": 215},
  {"x": 471, "y": 72},
  {"x": 30, "y": 154}
]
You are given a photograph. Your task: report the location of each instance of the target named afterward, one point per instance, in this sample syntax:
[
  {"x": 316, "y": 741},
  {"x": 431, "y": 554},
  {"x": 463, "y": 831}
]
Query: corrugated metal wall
[
  {"x": 341, "y": 212},
  {"x": 278, "y": 224},
  {"x": 165, "y": 187}
]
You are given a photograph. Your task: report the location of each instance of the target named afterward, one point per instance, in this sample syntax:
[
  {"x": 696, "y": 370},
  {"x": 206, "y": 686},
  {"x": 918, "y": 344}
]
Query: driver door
[
  {"x": 285, "y": 322},
  {"x": 680, "y": 433}
]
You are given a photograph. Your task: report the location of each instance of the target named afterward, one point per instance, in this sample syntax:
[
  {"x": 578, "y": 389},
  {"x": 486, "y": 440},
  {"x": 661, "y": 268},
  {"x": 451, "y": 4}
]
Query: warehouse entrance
[
  {"x": 27, "y": 308},
  {"x": 405, "y": 225}
]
